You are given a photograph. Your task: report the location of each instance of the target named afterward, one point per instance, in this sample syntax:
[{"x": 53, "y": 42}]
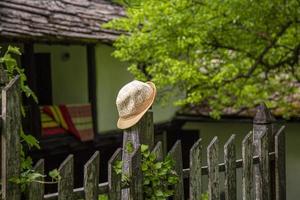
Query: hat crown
[{"x": 131, "y": 97}]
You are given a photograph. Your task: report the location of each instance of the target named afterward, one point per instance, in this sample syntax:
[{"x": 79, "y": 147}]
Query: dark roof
[
  {"x": 242, "y": 113},
  {"x": 58, "y": 20}
]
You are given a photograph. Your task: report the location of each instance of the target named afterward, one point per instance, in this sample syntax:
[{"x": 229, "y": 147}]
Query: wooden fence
[{"x": 262, "y": 163}]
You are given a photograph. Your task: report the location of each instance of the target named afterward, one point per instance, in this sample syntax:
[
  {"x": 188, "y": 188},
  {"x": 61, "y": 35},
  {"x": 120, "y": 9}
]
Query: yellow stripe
[
  {"x": 45, "y": 116},
  {"x": 56, "y": 118},
  {"x": 61, "y": 118},
  {"x": 50, "y": 124}
]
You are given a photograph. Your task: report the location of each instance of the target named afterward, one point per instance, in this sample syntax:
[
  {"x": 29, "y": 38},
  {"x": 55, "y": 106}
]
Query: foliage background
[{"x": 216, "y": 54}]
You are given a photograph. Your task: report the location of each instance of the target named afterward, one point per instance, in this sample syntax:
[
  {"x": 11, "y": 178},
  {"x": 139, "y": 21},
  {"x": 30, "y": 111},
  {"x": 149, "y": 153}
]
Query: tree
[{"x": 217, "y": 54}]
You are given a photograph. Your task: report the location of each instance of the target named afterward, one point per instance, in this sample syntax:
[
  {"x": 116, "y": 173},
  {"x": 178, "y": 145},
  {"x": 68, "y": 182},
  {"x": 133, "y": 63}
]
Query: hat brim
[{"x": 124, "y": 123}]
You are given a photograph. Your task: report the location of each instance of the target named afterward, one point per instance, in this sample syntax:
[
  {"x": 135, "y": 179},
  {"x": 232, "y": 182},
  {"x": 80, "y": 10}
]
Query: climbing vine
[
  {"x": 27, "y": 175},
  {"x": 158, "y": 176}
]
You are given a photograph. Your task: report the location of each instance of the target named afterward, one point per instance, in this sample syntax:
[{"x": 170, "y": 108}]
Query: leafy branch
[
  {"x": 214, "y": 55},
  {"x": 158, "y": 176},
  {"x": 27, "y": 175}
]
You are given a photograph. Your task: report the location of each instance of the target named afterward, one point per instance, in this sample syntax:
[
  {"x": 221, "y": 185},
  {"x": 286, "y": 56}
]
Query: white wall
[
  {"x": 69, "y": 76},
  {"x": 70, "y": 81},
  {"x": 111, "y": 76}
]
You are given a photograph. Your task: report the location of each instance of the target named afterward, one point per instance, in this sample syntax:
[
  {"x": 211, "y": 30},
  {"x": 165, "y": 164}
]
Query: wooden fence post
[
  {"x": 3, "y": 81},
  {"x": 195, "y": 170},
  {"x": 230, "y": 169},
  {"x": 176, "y": 154},
  {"x": 158, "y": 151},
  {"x": 264, "y": 192},
  {"x": 36, "y": 189},
  {"x": 213, "y": 169},
  {"x": 66, "y": 183},
  {"x": 91, "y": 177},
  {"x": 114, "y": 179},
  {"x": 136, "y": 175},
  {"x": 247, "y": 177},
  {"x": 141, "y": 133},
  {"x": 280, "y": 175},
  {"x": 263, "y": 123},
  {"x": 10, "y": 139}
]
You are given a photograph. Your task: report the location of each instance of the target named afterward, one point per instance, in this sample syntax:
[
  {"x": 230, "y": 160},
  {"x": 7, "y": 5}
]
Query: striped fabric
[
  {"x": 75, "y": 119},
  {"x": 50, "y": 123},
  {"x": 81, "y": 116}
]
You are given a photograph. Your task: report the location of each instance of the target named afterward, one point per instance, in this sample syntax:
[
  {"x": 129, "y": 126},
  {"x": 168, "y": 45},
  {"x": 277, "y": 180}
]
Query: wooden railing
[{"x": 262, "y": 163}]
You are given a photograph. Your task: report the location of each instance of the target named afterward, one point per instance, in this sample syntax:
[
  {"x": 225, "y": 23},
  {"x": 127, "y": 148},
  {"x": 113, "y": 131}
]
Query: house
[{"x": 67, "y": 59}]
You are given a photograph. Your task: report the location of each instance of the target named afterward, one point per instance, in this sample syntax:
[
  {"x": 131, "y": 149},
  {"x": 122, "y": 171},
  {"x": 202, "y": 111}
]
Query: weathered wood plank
[
  {"x": 147, "y": 129},
  {"x": 36, "y": 189},
  {"x": 176, "y": 154},
  {"x": 230, "y": 169},
  {"x": 280, "y": 169},
  {"x": 264, "y": 169},
  {"x": 141, "y": 133},
  {"x": 10, "y": 140},
  {"x": 91, "y": 177},
  {"x": 136, "y": 176},
  {"x": 66, "y": 183},
  {"x": 58, "y": 20},
  {"x": 195, "y": 170},
  {"x": 103, "y": 188},
  {"x": 158, "y": 151},
  {"x": 114, "y": 179},
  {"x": 247, "y": 177},
  {"x": 213, "y": 169},
  {"x": 263, "y": 122},
  {"x": 78, "y": 193}
]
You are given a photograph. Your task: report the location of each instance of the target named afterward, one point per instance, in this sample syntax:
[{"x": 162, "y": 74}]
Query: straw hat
[{"x": 133, "y": 101}]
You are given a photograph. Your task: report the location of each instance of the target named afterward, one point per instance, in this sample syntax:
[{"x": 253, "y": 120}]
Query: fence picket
[
  {"x": 176, "y": 154},
  {"x": 280, "y": 177},
  {"x": 247, "y": 177},
  {"x": 195, "y": 170},
  {"x": 91, "y": 177},
  {"x": 257, "y": 144},
  {"x": 10, "y": 140},
  {"x": 136, "y": 175},
  {"x": 230, "y": 169},
  {"x": 114, "y": 179},
  {"x": 36, "y": 189},
  {"x": 66, "y": 183},
  {"x": 213, "y": 169},
  {"x": 158, "y": 151},
  {"x": 264, "y": 169},
  {"x": 140, "y": 133}
]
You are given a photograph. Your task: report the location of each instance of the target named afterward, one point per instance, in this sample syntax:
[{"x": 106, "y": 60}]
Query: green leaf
[
  {"x": 152, "y": 157},
  {"x": 30, "y": 140},
  {"x": 144, "y": 167},
  {"x": 13, "y": 50},
  {"x": 144, "y": 148},
  {"x": 129, "y": 147},
  {"x": 103, "y": 197},
  {"x": 54, "y": 174},
  {"x": 158, "y": 165},
  {"x": 159, "y": 193}
]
